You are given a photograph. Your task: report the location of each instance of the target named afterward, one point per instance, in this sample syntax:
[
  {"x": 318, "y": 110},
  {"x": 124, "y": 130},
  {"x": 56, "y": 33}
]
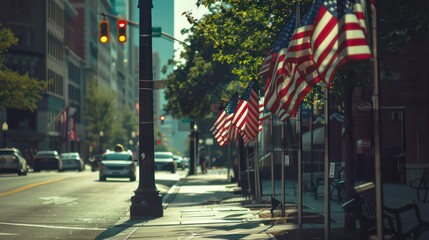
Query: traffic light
[
  {"x": 104, "y": 31},
  {"x": 162, "y": 118},
  {"x": 122, "y": 31}
]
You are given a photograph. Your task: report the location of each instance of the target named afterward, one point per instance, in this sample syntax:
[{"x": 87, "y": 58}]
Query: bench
[
  {"x": 337, "y": 185},
  {"x": 402, "y": 228},
  {"x": 421, "y": 185},
  {"x": 362, "y": 208}
]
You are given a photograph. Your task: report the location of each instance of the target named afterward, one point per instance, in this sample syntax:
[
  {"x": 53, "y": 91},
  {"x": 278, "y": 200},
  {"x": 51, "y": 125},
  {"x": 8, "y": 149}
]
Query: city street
[{"x": 67, "y": 205}]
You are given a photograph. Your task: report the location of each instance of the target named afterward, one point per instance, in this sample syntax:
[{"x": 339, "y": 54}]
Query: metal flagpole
[
  {"x": 272, "y": 157},
  {"x": 256, "y": 166},
  {"x": 378, "y": 186},
  {"x": 249, "y": 188},
  {"x": 327, "y": 205},
  {"x": 283, "y": 170},
  {"x": 298, "y": 132}
]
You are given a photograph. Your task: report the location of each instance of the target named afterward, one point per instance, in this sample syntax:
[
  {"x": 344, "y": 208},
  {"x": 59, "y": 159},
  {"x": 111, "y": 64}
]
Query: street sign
[{"x": 156, "y": 31}]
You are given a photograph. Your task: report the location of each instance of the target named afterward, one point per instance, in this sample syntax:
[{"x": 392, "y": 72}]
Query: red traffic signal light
[
  {"x": 122, "y": 31},
  {"x": 104, "y": 31},
  {"x": 162, "y": 118}
]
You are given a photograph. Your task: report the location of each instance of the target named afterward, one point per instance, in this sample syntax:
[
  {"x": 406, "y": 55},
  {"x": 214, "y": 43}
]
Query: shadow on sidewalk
[{"x": 120, "y": 228}]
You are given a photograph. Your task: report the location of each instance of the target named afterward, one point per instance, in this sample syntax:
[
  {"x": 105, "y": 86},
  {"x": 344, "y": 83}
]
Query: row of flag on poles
[{"x": 305, "y": 53}]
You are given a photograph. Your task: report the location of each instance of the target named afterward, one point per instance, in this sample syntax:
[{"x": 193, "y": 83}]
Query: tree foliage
[
  {"x": 19, "y": 91},
  {"x": 99, "y": 112},
  {"x": 238, "y": 34}
]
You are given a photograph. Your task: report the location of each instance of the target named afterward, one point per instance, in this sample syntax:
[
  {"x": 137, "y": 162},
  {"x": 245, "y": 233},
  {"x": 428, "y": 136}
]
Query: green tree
[
  {"x": 99, "y": 114},
  {"x": 239, "y": 33},
  {"x": 127, "y": 123},
  {"x": 19, "y": 91}
]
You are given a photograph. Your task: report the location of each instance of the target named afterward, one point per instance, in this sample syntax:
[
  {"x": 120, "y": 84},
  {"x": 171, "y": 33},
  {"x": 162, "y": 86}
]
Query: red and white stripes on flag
[
  {"x": 275, "y": 92},
  {"x": 64, "y": 123},
  {"x": 339, "y": 36},
  {"x": 331, "y": 33},
  {"x": 287, "y": 87},
  {"x": 246, "y": 116},
  {"x": 221, "y": 127},
  {"x": 217, "y": 126}
]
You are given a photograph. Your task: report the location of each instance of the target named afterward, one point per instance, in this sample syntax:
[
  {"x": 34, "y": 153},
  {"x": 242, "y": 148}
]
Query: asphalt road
[{"x": 67, "y": 205}]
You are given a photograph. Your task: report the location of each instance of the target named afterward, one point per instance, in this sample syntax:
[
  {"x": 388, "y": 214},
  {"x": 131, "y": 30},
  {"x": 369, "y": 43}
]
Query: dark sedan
[{"x": 47, "y": 160}]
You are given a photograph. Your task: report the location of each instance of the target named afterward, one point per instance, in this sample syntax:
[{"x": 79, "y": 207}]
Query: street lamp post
[
  {"x": 147, "y": 200},
  {"x": 101, "y": 141},
  {"x": 4, "y": 127},
  {"x": 195, "y": 127}
]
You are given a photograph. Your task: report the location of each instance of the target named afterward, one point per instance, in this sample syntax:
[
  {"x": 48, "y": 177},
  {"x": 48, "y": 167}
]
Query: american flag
[
  {"x": 64, "y": 122},
  {"x": 287, "y": 88},
  {"x": 302, "y": 72},
  {"x": 338, "y": 36},
  {"x": 246, "y": 114},
  {"x": 300, "y": 51},
  {"x": 275, "y": 73},
  {"x": 216, "y": 127},
  {"x": 263, "y": 113},
  {"x": 221, "y": 127}
]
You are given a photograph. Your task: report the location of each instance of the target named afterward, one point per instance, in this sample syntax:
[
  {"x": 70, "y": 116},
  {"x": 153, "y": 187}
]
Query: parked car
[
  {"x": 180, "y": 162},
  {"x": 47, "y": 160},
  {"x": 72, "y": 161},
  {"x": 118, "y": 165},
  {"x": 12, "y": 161},
  {"x": 165, "y": 161}
]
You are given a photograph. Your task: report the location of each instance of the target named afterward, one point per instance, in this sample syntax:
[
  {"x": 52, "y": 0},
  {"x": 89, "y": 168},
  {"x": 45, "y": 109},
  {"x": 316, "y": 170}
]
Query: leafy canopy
[{"x": 19, "y": 91}]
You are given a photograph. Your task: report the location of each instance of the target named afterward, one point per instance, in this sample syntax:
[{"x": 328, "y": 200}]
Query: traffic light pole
[{"x": 147, "y": 201}]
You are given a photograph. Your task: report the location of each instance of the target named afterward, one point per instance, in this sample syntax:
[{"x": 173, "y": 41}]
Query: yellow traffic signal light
[
  {"x": 104, "y": 31},
  {"x": 122, "y": 31}
]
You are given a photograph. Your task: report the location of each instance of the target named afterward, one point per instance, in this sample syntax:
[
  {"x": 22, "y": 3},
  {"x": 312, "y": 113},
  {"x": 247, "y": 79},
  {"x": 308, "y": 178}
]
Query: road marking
[
  {"x": 48, "y": 226},
  {"x": 8, "y": 234},
  {"x": 26, "y": 187},
  {"x": 58, "y": 200}
]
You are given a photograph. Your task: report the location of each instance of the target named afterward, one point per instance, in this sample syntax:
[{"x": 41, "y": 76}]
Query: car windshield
[
  {"x": 118, "y": 156},
  {"x": 46, "y": 154},
  {"x": 69, "y": 155},
  {"x": 163, "y": 155},
  {"x": 6, "y": 152}
]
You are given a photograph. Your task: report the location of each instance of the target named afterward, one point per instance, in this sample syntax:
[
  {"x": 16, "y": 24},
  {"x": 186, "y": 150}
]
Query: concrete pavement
[
  {"x": 208, "y": 206},
  {"x": 204, "y": 206}
]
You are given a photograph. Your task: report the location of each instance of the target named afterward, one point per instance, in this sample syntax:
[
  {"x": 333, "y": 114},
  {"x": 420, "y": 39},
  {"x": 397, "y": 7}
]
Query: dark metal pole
[
  {"x": 192, "y": 155},
  {"x": 4, "y": 138},
  {"x": 147, "y": 201},
  {"x": 376, "y": 123}
]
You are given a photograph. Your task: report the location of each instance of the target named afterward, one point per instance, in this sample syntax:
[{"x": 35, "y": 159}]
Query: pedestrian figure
[
  {"x": 119, "y": 148},
  {"x": 203, "y": 163}
]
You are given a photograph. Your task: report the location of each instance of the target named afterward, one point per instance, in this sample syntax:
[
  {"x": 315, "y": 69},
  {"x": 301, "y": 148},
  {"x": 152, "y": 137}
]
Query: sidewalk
[
  {"x": 208, "y": 206},
  {"x": 199, "y": 207}
]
